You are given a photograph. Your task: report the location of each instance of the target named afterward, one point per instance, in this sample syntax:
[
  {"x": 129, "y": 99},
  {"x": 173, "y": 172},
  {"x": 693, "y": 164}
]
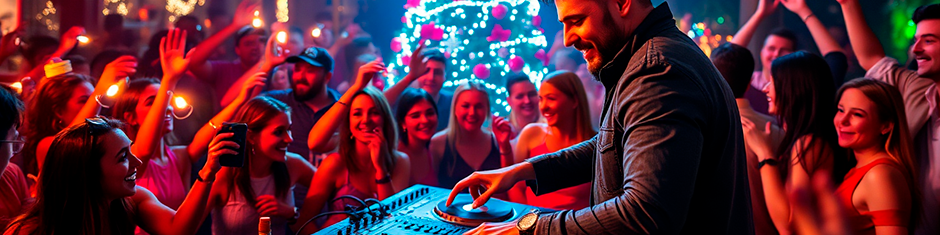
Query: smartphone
[{"x": 240, "y": 130}]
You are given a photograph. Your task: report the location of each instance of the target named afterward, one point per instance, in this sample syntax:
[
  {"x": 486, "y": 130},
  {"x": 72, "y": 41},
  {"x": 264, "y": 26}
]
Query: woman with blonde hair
[{"x": 462, "y": 147}]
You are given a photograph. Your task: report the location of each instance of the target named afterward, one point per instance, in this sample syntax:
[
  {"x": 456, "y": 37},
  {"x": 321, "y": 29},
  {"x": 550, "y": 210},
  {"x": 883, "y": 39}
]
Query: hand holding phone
[{"x": 238, "y": 130}]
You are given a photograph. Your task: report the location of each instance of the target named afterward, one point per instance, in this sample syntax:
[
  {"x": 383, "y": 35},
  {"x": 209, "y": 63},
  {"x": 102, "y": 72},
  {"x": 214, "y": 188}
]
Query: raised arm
[
  {"x": 764, "y": 8},
  {"x": 322, "y": 131},
  {"x": 416, "y": 68},
  {"x": 249, "y": 89},
  {"x": 273, "y": 56},
  {"x": 821, "y": 35},
  {"x": 115, "y": 71},
  {"x": 867, "y": 48},
  {"x": 66, "y": 43},
  {"x": 200, "y": 54},
  {"x": 174, "y": 65},
  {"x": 156, "y": 218}
]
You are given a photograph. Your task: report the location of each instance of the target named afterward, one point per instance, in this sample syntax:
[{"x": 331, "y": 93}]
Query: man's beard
[
  {"x": 614, "y": 41},
  {"x": 309, "y": 94}
]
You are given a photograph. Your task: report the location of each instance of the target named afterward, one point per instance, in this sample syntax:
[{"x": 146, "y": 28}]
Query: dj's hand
[
  {"x": 505, "y": 228},
  {"x": 483, "y": 184}
]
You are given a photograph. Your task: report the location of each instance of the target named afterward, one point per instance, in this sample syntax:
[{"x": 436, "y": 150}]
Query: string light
[
  {"x": 315, "y": 32},
  {"x": 179, "y": 8},
  {"x": 48, "y": 17},
  {"x": 282, "y": 11},
  {"x": 256, "y": 22},
  {"x": 180, "y": 102}
]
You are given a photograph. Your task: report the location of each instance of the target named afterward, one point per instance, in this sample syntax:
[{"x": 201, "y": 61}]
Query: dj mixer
[{"x": 421, "y": 209}]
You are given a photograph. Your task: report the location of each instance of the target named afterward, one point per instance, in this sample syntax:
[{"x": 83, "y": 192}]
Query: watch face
[{"x": 528, "y": 220}]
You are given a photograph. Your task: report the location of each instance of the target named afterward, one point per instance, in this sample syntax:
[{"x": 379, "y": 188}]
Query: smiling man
[
  {"x": 669, "y": 156},
  {"x": 919, "y": 90}
]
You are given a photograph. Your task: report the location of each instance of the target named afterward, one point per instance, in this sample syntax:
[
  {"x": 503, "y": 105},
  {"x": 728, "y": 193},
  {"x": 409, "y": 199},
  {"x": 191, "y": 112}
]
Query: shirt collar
[
  {"x": 657, "y": 20},
  {"x": 932, "y": 96}
]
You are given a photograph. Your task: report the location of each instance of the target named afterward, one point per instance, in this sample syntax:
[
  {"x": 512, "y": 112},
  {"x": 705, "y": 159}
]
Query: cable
[{"x": 350, "y": 214}]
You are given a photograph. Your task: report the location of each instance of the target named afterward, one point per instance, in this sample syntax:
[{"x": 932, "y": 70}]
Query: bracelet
[
  {"x": 807, "y": 17},
  {"x": 384, "y": 180},
  {"x": 213, "y": 125},
  {"x": 769, "y": 161}
]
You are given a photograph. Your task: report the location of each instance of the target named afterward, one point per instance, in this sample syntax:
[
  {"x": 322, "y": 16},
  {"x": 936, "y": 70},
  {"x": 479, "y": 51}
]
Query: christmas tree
[{"x": 484, "y": 40}]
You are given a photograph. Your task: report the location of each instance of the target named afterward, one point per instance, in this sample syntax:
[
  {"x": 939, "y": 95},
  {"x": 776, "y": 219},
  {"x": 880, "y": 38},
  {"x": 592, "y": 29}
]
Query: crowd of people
[{"x": 77, "y": 158}]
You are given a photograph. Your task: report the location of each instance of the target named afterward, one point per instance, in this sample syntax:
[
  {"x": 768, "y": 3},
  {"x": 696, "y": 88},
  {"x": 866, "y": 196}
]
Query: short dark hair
[
  {"x": 435, "y": 55},
  {"x": 113, "y": 22},
  {"x": 37, "y": 44},
  {"x": 248, "y": 30},
  {"x": 516, "y": 78},
  {"x": 736, "y": 64},
  {"x": 926, "y": 12},
  {"x": 787, "y": 34},
  {"x": 12, "y": 109}
]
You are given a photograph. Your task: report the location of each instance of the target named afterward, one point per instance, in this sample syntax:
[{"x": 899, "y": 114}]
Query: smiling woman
[{"x": 90, "y": 182}]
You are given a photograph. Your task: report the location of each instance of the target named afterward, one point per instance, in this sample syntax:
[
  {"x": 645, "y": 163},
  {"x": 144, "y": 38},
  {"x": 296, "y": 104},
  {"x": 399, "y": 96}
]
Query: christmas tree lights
[{"x": 483, "y": 40}]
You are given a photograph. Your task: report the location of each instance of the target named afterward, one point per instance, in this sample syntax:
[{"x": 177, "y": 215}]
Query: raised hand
[
  {"x": 118, "y": 69},
  {"x": 767, "y": 7},
  {"x": 8, "y": 43},
  {"x": 256, "y": 81},
  {"x": 366, "y": 73},
  {"x": 503, "y": 129},
  {"x": 269, "y": 206},
  {"x": 70, "y": 38},
  {"x": 797, "y": 6},
  {"x": 274, "y": 55},
  {"x": 218, "y": 147},
  {"x": 758, "y": 139},
  {"x": 245, "y": 13},
  {"x": 376, "y": 148},
  {"x": 417, "y": 67},
  {"x": 173, "y": 58}
]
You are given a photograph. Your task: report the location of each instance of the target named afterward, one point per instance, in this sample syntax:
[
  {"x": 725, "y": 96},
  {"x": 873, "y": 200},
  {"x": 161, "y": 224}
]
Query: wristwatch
[{"x": 526, "y": 224}]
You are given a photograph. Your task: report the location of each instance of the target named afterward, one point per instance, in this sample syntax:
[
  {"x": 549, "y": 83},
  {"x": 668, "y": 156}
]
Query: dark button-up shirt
[
  {"x": 302, "y": 118},
  {"x": 669, "y": 156}
]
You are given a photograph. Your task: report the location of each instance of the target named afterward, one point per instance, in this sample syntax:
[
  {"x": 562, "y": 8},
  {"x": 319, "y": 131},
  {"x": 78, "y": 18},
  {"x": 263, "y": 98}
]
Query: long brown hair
[
  {"x": 42, "y": 121},
  {"x": 70, "y": 194},
  {"x": 347, "y": 143},
  {"x": 570, "y": 85},
  {"x": 889, "y": 108},
  {"x": 256, "y": 113}
]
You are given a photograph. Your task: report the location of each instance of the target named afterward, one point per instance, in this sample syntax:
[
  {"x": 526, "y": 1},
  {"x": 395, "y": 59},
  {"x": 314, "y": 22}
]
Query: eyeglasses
[{"x": 16, "y": 143}]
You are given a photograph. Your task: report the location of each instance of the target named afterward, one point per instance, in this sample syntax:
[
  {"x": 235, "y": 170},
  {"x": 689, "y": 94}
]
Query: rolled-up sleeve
[
  {"x": 660, "y": 150},
  {"x": 913, "y": 90}
]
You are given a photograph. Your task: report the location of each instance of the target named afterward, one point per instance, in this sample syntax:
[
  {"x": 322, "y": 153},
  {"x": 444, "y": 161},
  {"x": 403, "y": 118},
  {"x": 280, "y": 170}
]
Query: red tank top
[{"x": 864, "y": 222}]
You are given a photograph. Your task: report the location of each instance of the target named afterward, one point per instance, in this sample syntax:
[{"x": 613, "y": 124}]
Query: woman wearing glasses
[{"x": 14, "y": 193}]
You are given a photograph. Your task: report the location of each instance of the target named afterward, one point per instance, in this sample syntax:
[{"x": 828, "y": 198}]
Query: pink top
[
  {"x": 570, "y": 198},
  {"x": 14, "y": 194},
  {"x": 165, "y": 181}
]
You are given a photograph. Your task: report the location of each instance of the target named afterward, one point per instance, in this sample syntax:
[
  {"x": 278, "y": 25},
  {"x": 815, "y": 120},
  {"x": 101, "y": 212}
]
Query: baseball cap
[{"x": 316, "y": 56}]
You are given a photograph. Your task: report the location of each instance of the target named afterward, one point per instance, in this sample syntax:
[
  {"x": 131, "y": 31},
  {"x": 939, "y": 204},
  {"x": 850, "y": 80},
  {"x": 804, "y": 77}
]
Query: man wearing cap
[{"x": 309, "y": 96}]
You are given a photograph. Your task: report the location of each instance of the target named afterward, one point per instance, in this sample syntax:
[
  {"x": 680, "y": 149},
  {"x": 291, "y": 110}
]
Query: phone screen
[{"x": 240, "y": 130}]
